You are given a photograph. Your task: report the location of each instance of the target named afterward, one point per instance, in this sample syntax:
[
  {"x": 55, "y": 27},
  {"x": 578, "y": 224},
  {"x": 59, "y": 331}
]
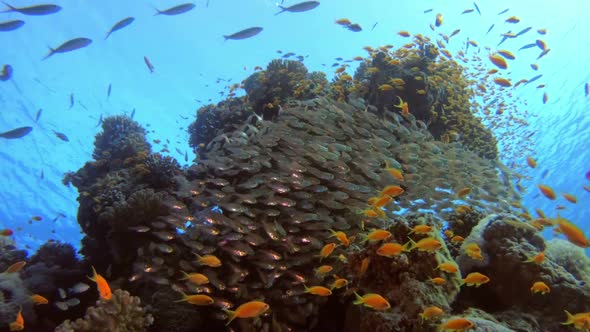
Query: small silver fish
[
  {"x": 79, "y": 288},
  {"x": 61, "y": 306},
  {"x": 72, "y": 302},
  {"x": 62, "y": 293}
]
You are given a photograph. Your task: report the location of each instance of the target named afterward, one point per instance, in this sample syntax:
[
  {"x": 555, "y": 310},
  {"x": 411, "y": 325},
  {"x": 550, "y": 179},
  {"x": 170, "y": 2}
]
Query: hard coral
[
  {"x": 121, "y": 137},
  {"x": 122, "y": 313},
  {"x": 162, "y": 170}
]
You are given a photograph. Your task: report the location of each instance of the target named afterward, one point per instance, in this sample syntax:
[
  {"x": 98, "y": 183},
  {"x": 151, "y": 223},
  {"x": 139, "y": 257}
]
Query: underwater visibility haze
[{"x": 294, "y": 165}]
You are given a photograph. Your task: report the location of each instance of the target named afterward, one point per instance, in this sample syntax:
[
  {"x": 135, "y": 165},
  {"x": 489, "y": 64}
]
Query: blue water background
[{"x": 189, "y": 55}]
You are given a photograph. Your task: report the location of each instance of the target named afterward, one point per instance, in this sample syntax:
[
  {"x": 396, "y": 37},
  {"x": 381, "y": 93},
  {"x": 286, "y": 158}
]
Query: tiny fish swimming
[
  {"x": 243, "y": 34},
  {"x": 68, "y": 46},
  {"x": 299, "y": 7},
  {"x": 34, "y": 10},
  {"x": 11, "y": 25},
  {"x": 176, "y": 10},
  {"x": 120, "y": 25}
]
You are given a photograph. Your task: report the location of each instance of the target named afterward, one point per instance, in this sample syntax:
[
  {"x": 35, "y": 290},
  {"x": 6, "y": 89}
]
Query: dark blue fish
[
  {"x": 543, "y": 53},
  {"x": 354, "y": 27},
  {"x": 109, "y": 91},
  {"x": 522, "y": 32},
  {"x": 38, "y": 115},
  {"x": 11, "y": 25},
  {"x": 299, "y": 7},
  {"x": 427, "y": 11},
  {"x": 374, "y": 25},
  {"x": 534, "y": 79},
  {"x": 68, "y": 46},
  {"x": 504, "y": 11},
  {"x": 132, "y": 114},
  {"x": 185, "y": 156},
  {"x": 6, "y": 73},
  {"x": 490, "y": 29},
  {"x": 42, "y": 175},
  {"x": 246, "y": 33},
  {"x": 120, "y": 25},
  {"x": 180, "y": 9},
  {"x": 71, "y": 100},
  {"x": 476, "y": 8},
  {"x": 544, "y": 174},
  {"x": 99, "y": 121},
  {"x": 16, "y": 133},
  {"x": 34, "y": 10},
  {"x": 61, "y": 136},
  {"x": 528, "y": 46}
]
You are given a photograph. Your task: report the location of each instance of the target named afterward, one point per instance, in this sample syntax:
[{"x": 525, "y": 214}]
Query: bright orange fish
[
  {"x": 570, "y": 198},
  {"x": 38, "y": 299},
  {"x": 475, "y": 279},
  {"x": 250, "y": 309},
  {"x": 403, "y": 106},
  {"x": 427, "y": 244},
  {"x": 392, "y": 191},
  {"x": 540, "y": 287},
  {"x": 390, "y": 249},
  {"x": 531, "y": 162},
  {"x": 16, "y": 267},
  {"x": 421, "y": 229},
  {"x": 537, "y": 259},
  {"x": 208, "y": 260},
  {"x": 382, "y": 201},
  {"x": 102, "y": 285},
  {"x": 341, "y": 236},
  {"x": 371, "y": 300},
  {"x": 547, "y": 191},
  {"x": 195, "y": 278},
  {"x": 438, "y": 281},
  {"x": 6, "y": 232},
  {"x": 396, "y": 173},
  {"x": 449, "y": 267},
  {"x": 572, "y": 233},
  {"x": 19, "y": 322},
  {"x": 498, "y": 61},
  {"x": 404, "y": 33},
  {"x": 456, "y": 324},
  {"x": 196, "y": 299},
  {"x": 463, "y": 192},
  {"x": 318, "y": 290},
  {"x": 327, "y": 250},
  {"x": 431, "y": 312},
  {"x": 323, "y": 270},
  {"x": 377, "y": 235}
]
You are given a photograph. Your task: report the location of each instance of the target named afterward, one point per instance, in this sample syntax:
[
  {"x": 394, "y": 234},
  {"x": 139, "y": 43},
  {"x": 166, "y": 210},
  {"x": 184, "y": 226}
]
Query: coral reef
[
  {"x": 121, "y": 137},
  {"x": 122, "y": 313}
]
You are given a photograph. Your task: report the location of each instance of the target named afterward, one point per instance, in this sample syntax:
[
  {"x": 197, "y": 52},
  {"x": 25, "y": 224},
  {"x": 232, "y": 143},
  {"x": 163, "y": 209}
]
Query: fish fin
[
  {"x": 570, "y": 318},
  {"x": 283, "y": 9},
  {"x": 51, "y": 52},
  {"x": 231, "y": 314},
  {"x": 10, "y": 8},
  {"x": 358, "y": 298}
]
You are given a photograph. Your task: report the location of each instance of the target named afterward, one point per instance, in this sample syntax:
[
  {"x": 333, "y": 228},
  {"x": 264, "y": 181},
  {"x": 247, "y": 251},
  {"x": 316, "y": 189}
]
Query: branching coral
[
  {"x": 121, "y": 138},
  {"x": 122, "y": 313}
]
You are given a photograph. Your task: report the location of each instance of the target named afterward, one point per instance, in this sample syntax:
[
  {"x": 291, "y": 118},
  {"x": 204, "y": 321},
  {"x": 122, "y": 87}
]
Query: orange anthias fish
[
  {"x": 382, "y": 201},
  {"x": 390, "y": 249},
  {"x": 474, "y": 251},
  {"x": 377, "y": 235},
  {"x": 327, "y": 250},
  {"x": 364, "y": 266},
  {"x": 570, "y": 198},
  {"x": 396, "y": 173},
  {"x": 499, "y": 61},
  {"x": 475, "y": 279},
  {"x": 572, "y": 233},
  {"x": 540, "y": 287},
  {"x": 449, "y": 267},
  {"x": 531, "y": 162},
  {"x": 537, "y": 259},
  {"x": 195, "y": 278},
  {"x": 19, "y": 322},
  {"x": 250, "y": 309},
  {"x": 431, "y": 312},
  {"x": 6, "y": 232},
  {"x": 403, "y": 106},
  {"x": 438, "y": 281},
  {"x": 208, "y": 260},
  {"x": 463, "y": 192},
  {"x": 580, "y": 320},
  {"x": 318, "y": 290},
  {"x": 38, "y": 299},
  {"x": 421, "y": 229},
  {"x": 547, "y": 191},
  {"x": 338, "y": 283},
  {"x": 341, "y": 236},
  {"x": 456, "y": 324},
  {"x": 102, "y": 285},
  {"x": 16, "y": 267},
  {"x": 427, "y": 244},
  {"x": 196, "y": 299},
  {"x": 323, "y": 270},
  {"x": 392, "y": 191},
  {"x": 371, "y": 300}
]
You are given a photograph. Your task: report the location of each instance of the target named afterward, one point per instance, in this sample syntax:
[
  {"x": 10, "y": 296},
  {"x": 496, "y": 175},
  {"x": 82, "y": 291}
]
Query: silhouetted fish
[
  {"x": 246, "y": 33},
  {"x": 476, "y": 8},
  {"x": 183, "y": 8},
  {"x": 11, "y": 25},
  {"x": 299, "y": 7},
  {"x": 528, "y": 46},
  {"x": 68, "y": 46},
  {"x": 490, "y": 29},
  {"x": 120, "y": 25},
  {"x": 71, "y": 100},
  {"x": 109, "y": 91},
  {"x": 148, "y": 64},
  {"x": 354, "y": 27},
  {"x": 374, "y": 25},
  {"x": 6, "y": 73},
  {"x": 34, "y": 10},
  {"x": 61, "y": 136},
  {"x": 504, "y": 11},
  {"x": 38, "y": 115},
  {"x": 16, "y": 133},
  {"x": 427, "y": 11},
  {"x": 534, "y": 79},
  {"x": 523, "y": 31}
]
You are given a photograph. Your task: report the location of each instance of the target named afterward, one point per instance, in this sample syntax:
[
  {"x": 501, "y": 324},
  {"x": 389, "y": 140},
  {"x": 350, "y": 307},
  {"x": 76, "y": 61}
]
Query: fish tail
[
  {"x": 570, "y": 318},
  {"x": 51, "y": 52},
  {"x": 358, "y": 299},
  {"x": 282, "y": 10},
  {"x": 231, "y": 315},
  {"x": 107, "y": 36},
  {"x": 10, "y": 8}
]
